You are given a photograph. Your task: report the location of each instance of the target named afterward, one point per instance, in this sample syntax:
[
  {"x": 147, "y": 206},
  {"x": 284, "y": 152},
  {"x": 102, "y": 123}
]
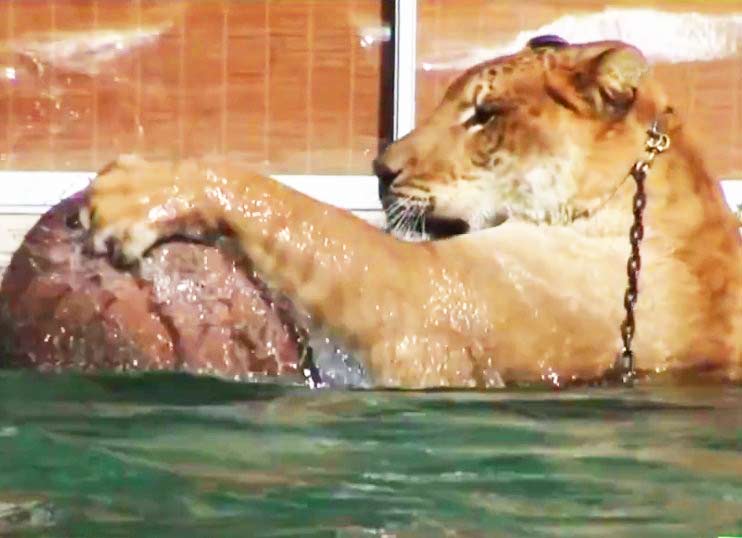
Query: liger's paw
[
  {"x": 133, "y": 203},
  {"x": 125, "y": 242}
]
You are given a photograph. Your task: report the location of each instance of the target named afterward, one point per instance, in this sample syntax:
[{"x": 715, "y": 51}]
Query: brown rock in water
[{"x": 189, "y": 307}]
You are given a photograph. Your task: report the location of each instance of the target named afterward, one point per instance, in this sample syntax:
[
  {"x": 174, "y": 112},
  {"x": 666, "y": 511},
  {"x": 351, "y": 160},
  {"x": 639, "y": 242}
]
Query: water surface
[{"x": 171, "y": 455}]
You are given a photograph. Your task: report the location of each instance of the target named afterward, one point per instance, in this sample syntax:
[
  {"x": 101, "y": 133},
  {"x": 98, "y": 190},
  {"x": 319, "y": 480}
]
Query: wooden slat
[{"x": 290, "y": 86}]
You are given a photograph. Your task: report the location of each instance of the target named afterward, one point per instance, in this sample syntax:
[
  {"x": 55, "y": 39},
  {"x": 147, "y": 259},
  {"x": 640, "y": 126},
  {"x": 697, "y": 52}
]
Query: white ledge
[{"x": 35, "y": 192}]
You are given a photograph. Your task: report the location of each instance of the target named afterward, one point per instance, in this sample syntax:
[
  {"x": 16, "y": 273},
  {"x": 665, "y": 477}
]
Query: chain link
[{"x": 657, "y": 142}]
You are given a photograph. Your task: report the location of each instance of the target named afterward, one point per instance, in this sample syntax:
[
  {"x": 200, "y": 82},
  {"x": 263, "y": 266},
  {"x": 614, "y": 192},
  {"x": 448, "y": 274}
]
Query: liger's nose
[{"x": 386, "y": 177}]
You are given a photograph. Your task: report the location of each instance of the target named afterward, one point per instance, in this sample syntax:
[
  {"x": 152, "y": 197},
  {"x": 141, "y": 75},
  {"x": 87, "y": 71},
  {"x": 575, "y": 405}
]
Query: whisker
[
  {"x": 404, "y": 217},
  {"x": 393, "y": 213},
  {"x": 397, "y": 217},
  {"x": 407, "y": 228},
  {"x": 396, "y": 204},
  {"x": 418, "y": 224},
  {"x": 400, "y": 225},
  {"x": 396, "y": 213}
]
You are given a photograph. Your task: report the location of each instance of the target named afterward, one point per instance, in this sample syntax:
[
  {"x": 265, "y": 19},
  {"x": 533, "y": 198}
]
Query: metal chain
[{"x": 657, "y": 142}]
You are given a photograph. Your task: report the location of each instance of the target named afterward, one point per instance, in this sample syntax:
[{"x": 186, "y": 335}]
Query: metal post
[{"x": 405, "y": 61}]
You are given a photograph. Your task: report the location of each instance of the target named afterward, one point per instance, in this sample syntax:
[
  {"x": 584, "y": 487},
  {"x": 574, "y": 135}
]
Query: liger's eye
[{"x": 485, "y": 111}]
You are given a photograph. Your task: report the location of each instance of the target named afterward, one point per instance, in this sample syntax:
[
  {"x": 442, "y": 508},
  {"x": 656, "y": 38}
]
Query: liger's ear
[
  {"x": 596, "y": 79},
  {"x": 612, "y": 78}
]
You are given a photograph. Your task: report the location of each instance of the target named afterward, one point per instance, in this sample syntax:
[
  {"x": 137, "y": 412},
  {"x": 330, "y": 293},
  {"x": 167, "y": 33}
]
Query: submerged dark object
[{"x": 189, "y": 307}]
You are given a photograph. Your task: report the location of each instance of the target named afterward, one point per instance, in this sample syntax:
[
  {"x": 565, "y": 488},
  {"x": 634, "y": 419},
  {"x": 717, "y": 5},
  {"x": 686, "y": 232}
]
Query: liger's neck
[{"x": 689, "y": 228}]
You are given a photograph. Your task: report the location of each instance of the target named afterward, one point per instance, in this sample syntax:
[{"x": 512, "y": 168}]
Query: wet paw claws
[
  {"x": 131, "y": 204},
  {"x": 124, "y": 244},
  {"x": 84, "y": 218}
]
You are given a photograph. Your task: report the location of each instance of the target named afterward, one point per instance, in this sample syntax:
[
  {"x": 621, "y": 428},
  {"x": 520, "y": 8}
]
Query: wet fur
[{"x": 536, "y": 298}]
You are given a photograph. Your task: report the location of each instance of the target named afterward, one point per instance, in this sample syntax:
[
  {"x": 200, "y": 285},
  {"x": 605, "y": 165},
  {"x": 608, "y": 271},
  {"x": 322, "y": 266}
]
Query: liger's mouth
[
  {"x": 442, "y": 228},
  {"x": 417, "y": 222},
  {"x": 415, "y": 219}
]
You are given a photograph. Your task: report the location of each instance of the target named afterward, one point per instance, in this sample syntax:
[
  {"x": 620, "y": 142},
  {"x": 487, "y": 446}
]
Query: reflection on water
[{"x": 169, "y": 455}]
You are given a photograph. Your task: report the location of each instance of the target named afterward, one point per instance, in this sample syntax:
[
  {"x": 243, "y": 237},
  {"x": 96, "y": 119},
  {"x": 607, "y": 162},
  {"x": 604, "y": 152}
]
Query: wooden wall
[
  {"x": 293, "y": 86},
  {"x": 290, "y": 85},
  {"x": 707, "y": 92}
]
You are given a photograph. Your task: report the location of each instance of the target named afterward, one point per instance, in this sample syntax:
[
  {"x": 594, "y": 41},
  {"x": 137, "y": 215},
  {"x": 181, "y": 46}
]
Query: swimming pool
[{"x": 172, "y": 455}]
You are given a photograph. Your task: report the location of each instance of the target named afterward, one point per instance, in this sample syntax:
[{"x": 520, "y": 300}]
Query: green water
[{"x": 170, "y": 455}]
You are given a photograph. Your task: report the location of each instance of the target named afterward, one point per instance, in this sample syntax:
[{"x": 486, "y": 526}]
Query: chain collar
[{"x": 657, "y": 142}]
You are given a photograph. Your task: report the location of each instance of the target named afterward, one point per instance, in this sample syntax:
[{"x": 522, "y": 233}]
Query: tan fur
[{"x": 536, "y": 298}]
